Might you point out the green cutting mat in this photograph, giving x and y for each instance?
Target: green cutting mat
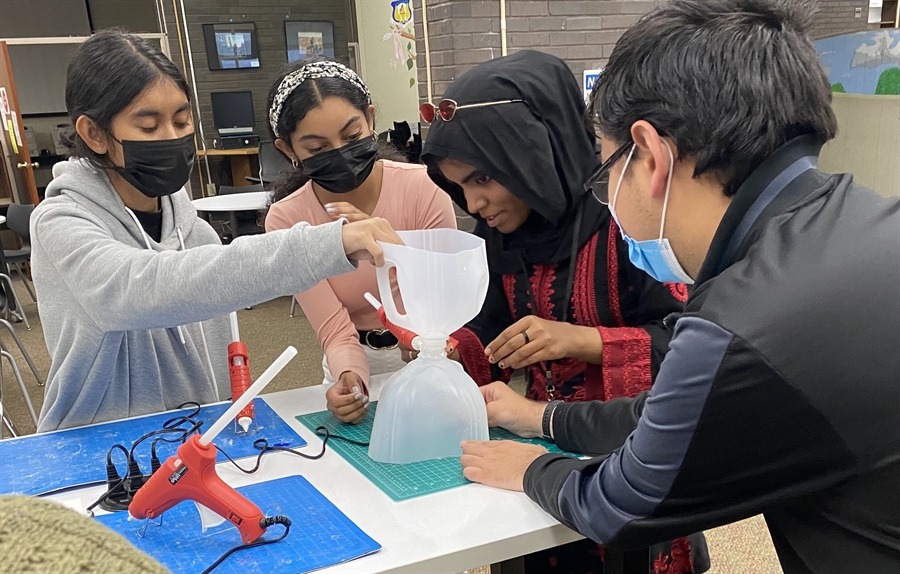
(400, 481)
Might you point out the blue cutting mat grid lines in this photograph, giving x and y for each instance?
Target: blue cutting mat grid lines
(400, 481)
(42, 463)
(321, 535)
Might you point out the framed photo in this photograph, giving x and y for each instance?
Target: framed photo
(231, 46)
(306, 39)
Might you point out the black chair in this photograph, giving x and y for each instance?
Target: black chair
(271, 164)
(241, 222)
(18, 219)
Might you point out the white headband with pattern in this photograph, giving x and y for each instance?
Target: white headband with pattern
(325, 69)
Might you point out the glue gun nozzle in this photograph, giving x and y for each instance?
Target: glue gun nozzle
(245, 423)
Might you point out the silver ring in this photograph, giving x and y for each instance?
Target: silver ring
(527, 338)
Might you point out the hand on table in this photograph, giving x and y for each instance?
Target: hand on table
(346, 398)
(499, 463)
(545, 341)
(346, 210)
(360, 239)
(508, 409)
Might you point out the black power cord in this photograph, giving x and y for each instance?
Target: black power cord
(264, 523)
(263, 446)
(119, 495)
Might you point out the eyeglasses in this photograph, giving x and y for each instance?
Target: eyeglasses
(598, 184)
(446, 109)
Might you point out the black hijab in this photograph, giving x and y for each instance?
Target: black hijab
(543, 151)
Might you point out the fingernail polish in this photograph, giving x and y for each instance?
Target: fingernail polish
(355, 389)
(367, 405)
(365, 399)
(357, 396)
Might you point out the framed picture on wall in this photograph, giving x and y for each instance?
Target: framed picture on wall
(306, 39)
(231, 46)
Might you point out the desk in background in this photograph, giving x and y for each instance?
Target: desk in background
(238, 158)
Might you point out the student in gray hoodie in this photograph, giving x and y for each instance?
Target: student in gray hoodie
(134, 288)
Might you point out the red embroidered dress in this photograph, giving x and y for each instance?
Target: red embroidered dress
(622, 302)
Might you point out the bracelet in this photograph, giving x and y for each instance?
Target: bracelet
(545, 421)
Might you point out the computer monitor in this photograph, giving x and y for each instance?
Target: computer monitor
(231, 46)
(233, 112)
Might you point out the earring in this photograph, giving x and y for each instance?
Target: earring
(295, 163)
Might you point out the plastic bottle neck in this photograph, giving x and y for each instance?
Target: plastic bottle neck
(433, 348)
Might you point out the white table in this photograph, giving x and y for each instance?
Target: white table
(249, 201)
(448, 531)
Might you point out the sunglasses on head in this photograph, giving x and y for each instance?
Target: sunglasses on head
(598, 184)
(446, 109)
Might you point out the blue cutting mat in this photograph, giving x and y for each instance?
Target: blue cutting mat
(42, 463)
(401, 481)
(320, 536)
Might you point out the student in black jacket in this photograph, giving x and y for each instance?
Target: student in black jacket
(781, 390)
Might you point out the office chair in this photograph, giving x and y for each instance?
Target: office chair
(271, 165)
(18, 219)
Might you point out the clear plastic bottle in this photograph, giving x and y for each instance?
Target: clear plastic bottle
(426, 409)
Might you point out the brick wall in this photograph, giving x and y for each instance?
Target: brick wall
(269, 17)
(463, 33)
(835, 17)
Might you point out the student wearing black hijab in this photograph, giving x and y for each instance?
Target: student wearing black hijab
(511, 145)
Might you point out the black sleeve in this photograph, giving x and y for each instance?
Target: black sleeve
(494, 317)
(609, 424)
(708, 449)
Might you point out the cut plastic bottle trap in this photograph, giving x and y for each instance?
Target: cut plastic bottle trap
(428, 407)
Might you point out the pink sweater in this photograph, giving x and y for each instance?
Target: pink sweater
(336, 307)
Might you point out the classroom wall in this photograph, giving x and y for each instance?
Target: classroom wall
(835, 17)
(269, 17)
(868, 141)
(388, 59)
(463, 33)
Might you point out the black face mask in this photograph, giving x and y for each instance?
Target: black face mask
(158, 167)
(343, 169)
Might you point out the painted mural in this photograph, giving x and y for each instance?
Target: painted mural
(403, 34)
(863, 63)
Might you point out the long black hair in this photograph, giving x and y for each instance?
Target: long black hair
(306, 97)
(105, 75)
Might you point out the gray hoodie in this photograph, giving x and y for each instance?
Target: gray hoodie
(112, 309)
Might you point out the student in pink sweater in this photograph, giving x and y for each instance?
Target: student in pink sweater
(322, 118)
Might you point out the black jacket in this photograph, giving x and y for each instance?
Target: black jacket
(780, 393)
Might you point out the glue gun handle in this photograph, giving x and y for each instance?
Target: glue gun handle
(231, 505)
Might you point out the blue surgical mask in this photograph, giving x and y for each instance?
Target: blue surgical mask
(655, 256)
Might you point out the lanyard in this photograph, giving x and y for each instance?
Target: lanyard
(570, 283)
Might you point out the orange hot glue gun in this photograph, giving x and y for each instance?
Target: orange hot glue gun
(239, 373)
(191, 473)
(405, 336)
